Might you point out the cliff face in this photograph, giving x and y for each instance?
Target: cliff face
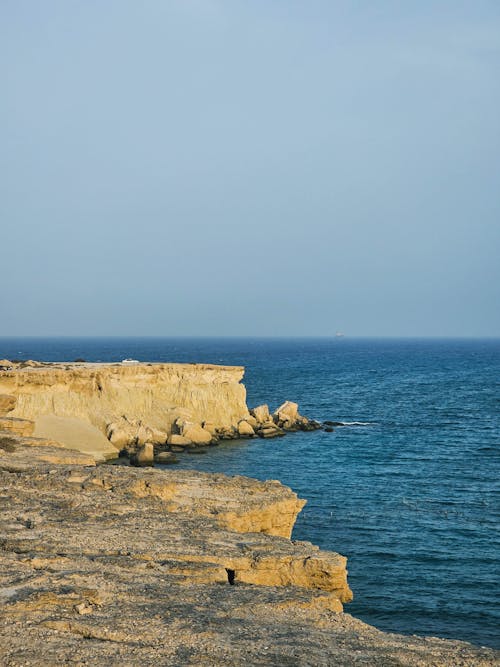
(67, 401)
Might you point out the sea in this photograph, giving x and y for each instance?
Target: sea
(407, 488)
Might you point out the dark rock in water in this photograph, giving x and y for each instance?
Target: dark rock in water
(311, 425)
(328, 429)
(198, 450)
(330, 423)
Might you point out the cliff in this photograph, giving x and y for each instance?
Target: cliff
(102, 407)
(121, 566)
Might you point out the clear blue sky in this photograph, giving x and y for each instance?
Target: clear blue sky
(220, 167)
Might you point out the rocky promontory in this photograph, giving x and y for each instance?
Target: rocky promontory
(139, 409)
(122, 566)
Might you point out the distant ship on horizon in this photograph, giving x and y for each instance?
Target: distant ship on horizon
(339, 334)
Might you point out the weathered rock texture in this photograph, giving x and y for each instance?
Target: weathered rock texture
(84, 405)
(119, 566)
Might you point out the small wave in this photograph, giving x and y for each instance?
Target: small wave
(355, 423)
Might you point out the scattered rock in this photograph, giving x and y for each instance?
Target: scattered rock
(227, 433)
(245, 430)
(178, 441)
(196, 434)
(261, 414)
(287, 412)
(83, 608)
(252, 421)
(270, 430)
(121, 434)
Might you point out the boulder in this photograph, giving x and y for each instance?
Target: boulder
(144, 456)
(125, 433)
(121, 434)
(143, 435)
(261, 413)
(178, 440)
(287, 412)
(196, 434)
(7, 403)
(158, 436)
(244, 429)
(252, 421)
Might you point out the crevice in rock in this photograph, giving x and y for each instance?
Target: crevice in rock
(230, 575)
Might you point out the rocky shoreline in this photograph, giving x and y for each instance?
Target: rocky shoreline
(145, 412)
(138, 566)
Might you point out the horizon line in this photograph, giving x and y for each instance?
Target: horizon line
(254, 337)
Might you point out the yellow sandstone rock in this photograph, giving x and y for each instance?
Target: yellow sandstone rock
(128, 403)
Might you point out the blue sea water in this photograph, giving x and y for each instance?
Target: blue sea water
(411, 497)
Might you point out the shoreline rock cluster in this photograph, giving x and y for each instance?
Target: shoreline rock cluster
(144, 446)
(145, 412)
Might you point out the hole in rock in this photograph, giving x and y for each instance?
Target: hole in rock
(230, 575)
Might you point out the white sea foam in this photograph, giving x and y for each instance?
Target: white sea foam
(357, 423)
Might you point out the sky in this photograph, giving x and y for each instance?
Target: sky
(250, 168)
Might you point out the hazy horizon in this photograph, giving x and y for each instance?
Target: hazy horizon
(248, 337)
(209, 168)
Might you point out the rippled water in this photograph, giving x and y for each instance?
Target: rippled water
(412, 498)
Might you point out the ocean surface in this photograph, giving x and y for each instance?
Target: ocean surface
(410, 493)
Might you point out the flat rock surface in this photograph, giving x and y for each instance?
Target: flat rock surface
(116, 566)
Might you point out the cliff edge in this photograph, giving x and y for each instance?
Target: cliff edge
(101, 408)
(121, 566)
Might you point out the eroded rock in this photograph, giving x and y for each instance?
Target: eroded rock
(130, 404)
(245, 429)
(261, 414)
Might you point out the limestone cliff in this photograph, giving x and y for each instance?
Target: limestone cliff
(86, 403)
